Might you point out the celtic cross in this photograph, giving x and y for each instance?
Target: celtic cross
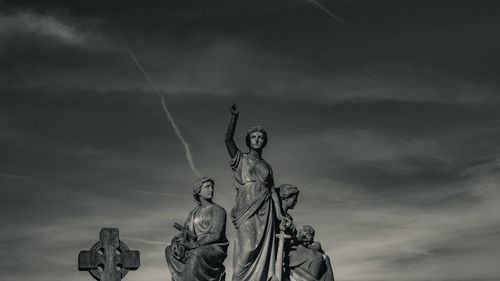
(109, 259)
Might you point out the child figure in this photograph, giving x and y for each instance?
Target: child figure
(307, 260)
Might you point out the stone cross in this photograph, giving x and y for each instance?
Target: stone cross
(109, 259)
(279, 256)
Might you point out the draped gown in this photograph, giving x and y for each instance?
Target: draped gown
(308, 265)
(204, 263)
(254, 219)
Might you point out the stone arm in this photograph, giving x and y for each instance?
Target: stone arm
(230, 144)
(217, 230)
(292, 229)
(277, 205)
(275, 197)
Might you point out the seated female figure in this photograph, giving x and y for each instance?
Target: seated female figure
(198, 252)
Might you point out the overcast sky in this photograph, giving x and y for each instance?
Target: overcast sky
(389, 125)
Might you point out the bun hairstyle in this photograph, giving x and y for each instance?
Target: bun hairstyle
(197, 186)
(288, 190)
(256, 129)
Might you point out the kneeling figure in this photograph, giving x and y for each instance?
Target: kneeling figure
(307, 261)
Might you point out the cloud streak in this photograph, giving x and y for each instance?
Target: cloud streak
(388, 125)
(189, 155)
(330, 13)
(39, 25)
(145, 241)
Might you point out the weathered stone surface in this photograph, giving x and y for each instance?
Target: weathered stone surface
(109, 259)
(256, 211)
(198, 251)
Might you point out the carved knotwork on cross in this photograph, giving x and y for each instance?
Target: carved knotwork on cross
(109, 259)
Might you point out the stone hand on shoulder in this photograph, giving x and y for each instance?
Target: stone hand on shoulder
(286, 223)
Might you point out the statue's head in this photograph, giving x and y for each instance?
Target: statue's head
(256, 138)
(288, 195)
(203, 187)
(306, 234)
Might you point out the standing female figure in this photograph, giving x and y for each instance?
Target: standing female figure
(256, 211)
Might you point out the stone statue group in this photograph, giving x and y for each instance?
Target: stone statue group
(268, 245)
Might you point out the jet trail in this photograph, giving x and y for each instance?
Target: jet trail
(189, 156)
(337, 18)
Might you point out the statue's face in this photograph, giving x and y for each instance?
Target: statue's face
(257, 140)
(207, 190)
(308, 237)
(292, 201)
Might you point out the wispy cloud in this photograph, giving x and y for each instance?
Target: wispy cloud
(39, 25)
(146, 241)
(388, 125)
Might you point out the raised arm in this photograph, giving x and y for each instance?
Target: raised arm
(230, 144)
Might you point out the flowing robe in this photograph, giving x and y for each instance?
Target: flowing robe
(309, 265)
(254, 219)
(205, 262)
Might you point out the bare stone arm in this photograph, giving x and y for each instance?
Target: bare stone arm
(230, 144)
(276, 200)
(277, 204)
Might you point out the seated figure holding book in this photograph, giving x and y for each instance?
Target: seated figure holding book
(198, 251)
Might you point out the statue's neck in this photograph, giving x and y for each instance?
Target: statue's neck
(255, 153)
(205, 202)
(284, 207)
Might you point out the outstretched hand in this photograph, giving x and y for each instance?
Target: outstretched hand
(233, 108)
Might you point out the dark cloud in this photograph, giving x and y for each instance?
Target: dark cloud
(388, 125)
(294, 50)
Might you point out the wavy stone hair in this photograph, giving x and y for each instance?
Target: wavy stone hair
(197, 187)
(288, 190)
(256, 129)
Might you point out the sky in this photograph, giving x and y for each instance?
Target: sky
(388, 124)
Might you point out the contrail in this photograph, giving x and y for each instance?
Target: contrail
(337, 18)
(189, 156)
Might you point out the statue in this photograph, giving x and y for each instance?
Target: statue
(256, 210)
(288, 196)
(307, 260)
(199, 250)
